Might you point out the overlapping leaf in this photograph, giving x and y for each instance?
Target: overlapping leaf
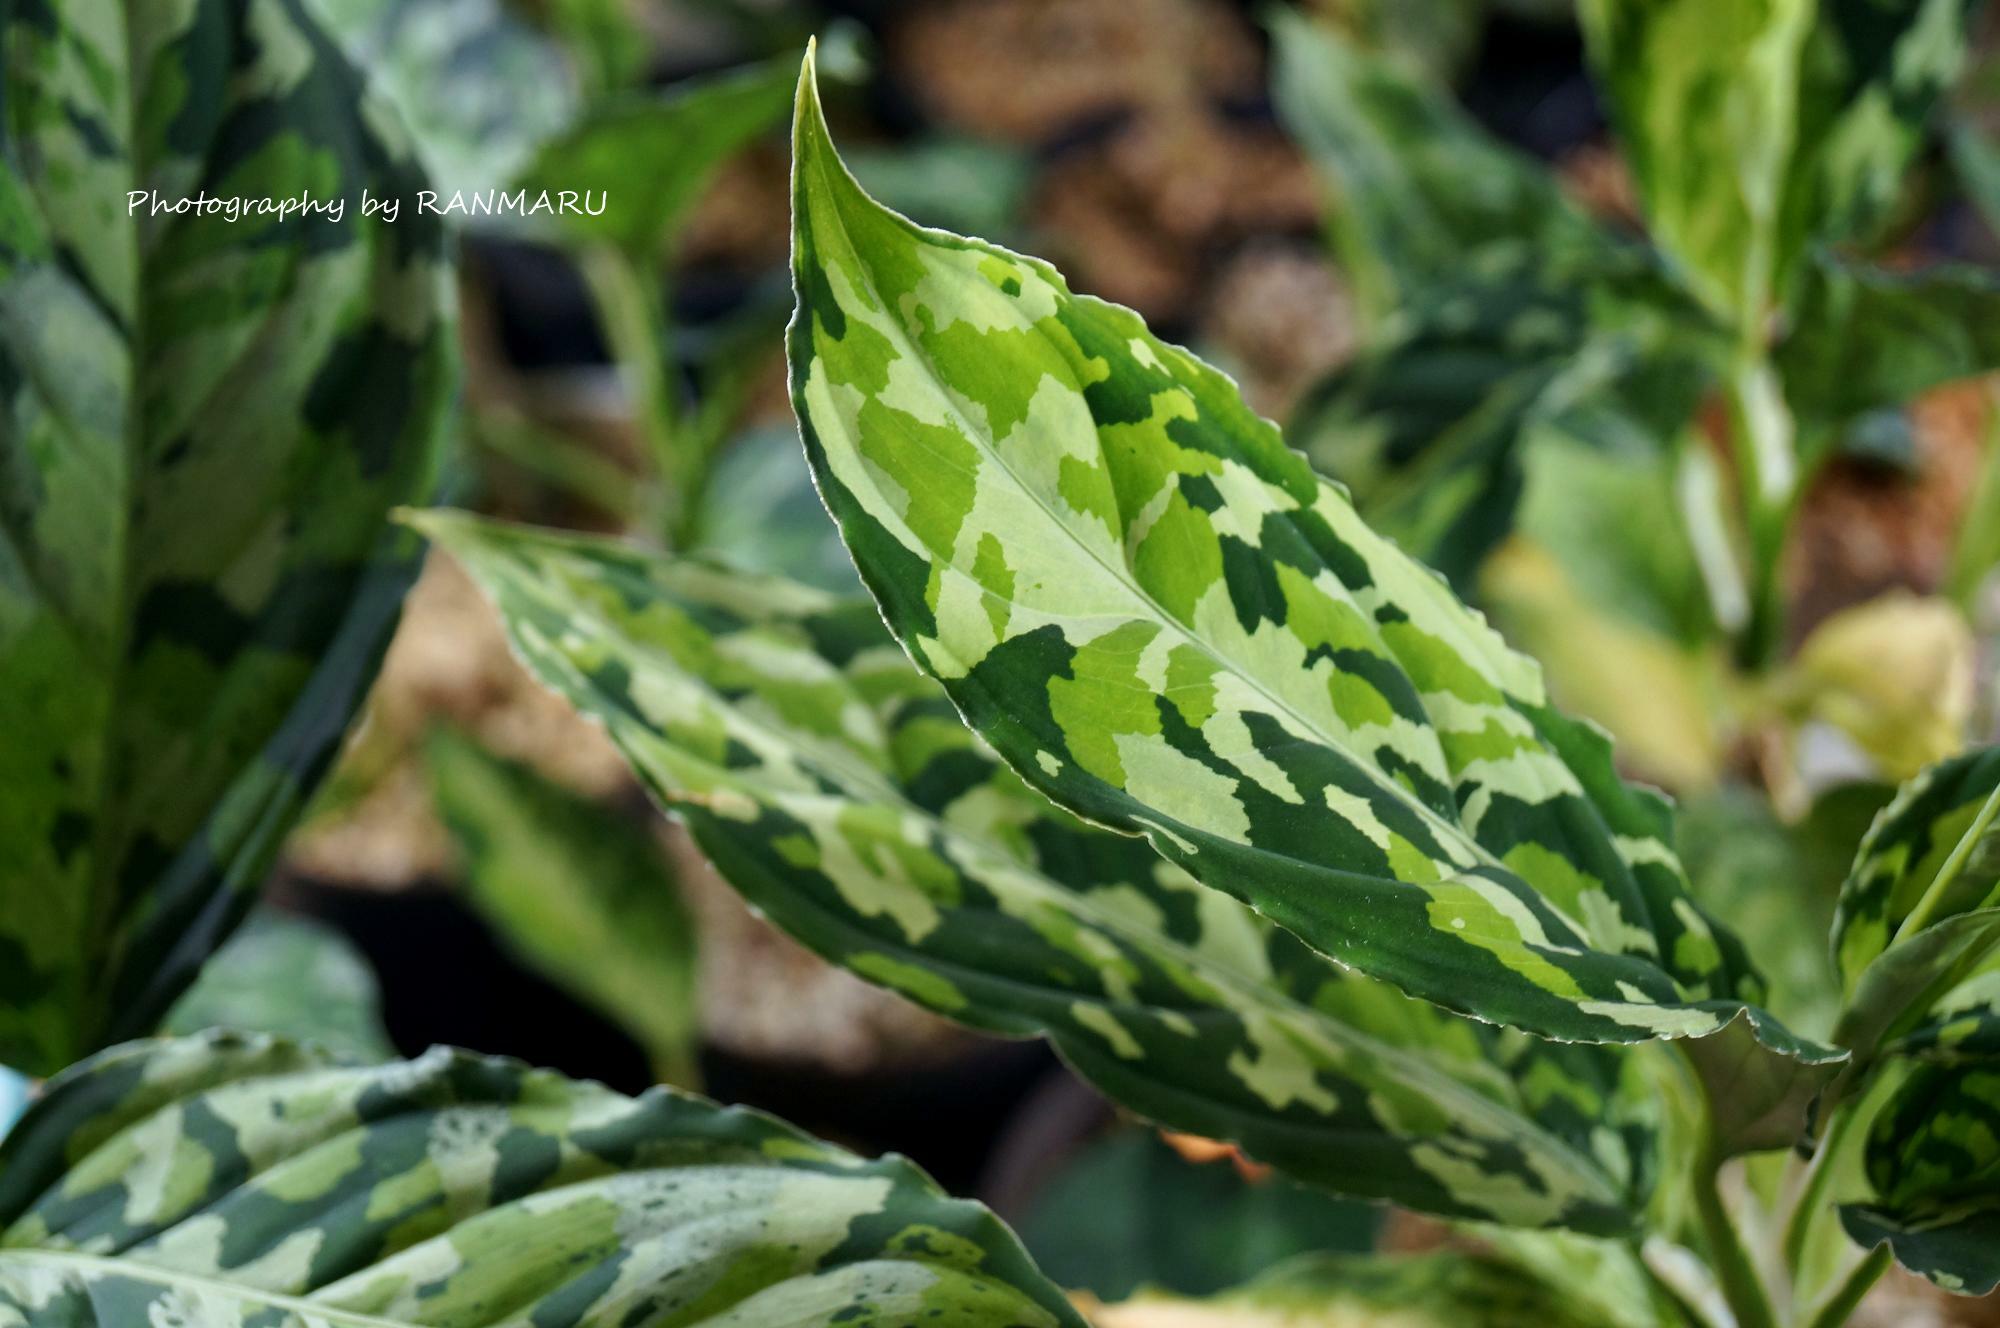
(207, 420)
(227, 1179)
(1504, 312)
(1164, 621)
(1917, 939)
(292, 977)
(835, 787)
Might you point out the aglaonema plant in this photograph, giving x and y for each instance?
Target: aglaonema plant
(208, 421)
(1149, 745)
(1526, 362)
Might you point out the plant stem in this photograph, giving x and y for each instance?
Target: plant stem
(1734, 1271)
(634, 313)
(1837, 1308)
(1767, 462)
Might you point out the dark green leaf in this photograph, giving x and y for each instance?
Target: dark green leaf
(207, 421)
(1129, 1212)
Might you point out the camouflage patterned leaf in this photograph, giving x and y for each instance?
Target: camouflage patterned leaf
(1164, 621)
(1756, 127)
(1933, 1160)
(834, 786)
(1931, 862)
(207, 421)
(232, 1180)
(1422, 197)
(580, 892)
(1506, 313)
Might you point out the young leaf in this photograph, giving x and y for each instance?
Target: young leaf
(583, 893)
(207, 421)
(835, 788)
(1167, 623)
(650, 156)
(225, 1179)
(1756, 128)
(1925, 885)
(292, 977)
(1933, 1161)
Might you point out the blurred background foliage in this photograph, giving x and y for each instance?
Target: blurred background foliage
(1405, 226)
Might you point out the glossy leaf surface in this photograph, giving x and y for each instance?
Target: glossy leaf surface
(836, 789)
(1165, 621)
(225, 1179)
(207, 422)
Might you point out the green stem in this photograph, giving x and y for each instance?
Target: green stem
(1734, 1271)
(1811, 1197)
(1767, 461)
(637, 322)
(1839, 1307)
(1934, 894)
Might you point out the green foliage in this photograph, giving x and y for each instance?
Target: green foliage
(1162, 619)
(1117, 1219)
(581, 893)
(478, 88)
(291, 977)
(836, 789)
(215, 1179)
(1442, 1289)
(207, 422)
(650, 156)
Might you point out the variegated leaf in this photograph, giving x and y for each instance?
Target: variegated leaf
(1756, 127)
(232, 1180)
(207, 420)
(1166, 622)
(1505, 313)
(835, 787)
(1932, 858)
(1932, 1159)
(293, 977)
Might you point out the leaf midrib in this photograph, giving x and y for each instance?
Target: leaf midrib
(1469, 1104)
(1122, 575)
(169, 1278)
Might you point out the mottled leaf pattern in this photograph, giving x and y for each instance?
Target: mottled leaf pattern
(1933, 1160)
(228, 1180)
(1755, 127)
(834, 786)
(1166, 622)
(1932, 855)
(580, 892)
(1504, 313)
(206, 422)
